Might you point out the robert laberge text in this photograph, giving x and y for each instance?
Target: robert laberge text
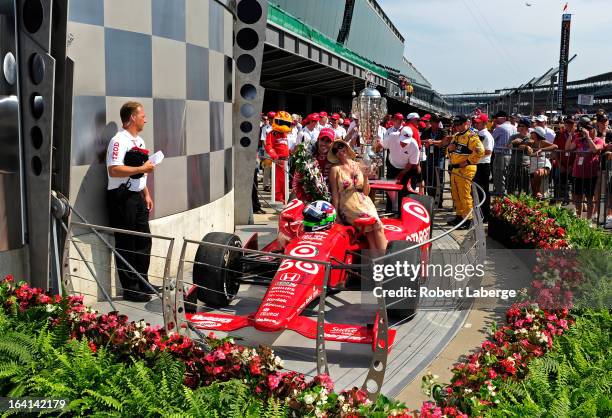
(425, 292)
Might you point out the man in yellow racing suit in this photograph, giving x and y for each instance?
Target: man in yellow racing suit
(464, 152)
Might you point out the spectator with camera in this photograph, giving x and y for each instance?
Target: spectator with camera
(586, 165)
(563, 161)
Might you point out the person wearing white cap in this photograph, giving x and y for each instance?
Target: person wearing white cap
(403, 163)
(412, 121)
(541, 121)
(539, 165)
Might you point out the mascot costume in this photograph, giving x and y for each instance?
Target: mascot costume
(278, 149)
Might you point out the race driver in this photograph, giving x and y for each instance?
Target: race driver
(278, 148)
(464, 151)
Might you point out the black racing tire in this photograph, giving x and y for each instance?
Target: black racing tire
(428, 202)
(406, 307)
(217, 270)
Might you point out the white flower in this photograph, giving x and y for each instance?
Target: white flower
(50, 308)
(278, 361)
(142, 324)
(345, 407)
(308, 399)
(522, 331)
(341, 398)
(467, 391)
(136, 334)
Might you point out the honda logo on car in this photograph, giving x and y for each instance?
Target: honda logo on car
(290, 277)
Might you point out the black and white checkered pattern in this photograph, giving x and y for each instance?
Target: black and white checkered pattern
(175, 57)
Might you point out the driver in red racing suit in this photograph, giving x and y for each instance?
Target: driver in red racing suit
(277, 147)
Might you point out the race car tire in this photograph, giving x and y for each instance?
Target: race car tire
(428, 202)
(405, 307)
(217, 269)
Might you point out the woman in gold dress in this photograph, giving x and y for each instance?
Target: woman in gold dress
(350, 189)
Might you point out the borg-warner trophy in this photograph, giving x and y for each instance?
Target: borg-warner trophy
(369, 107)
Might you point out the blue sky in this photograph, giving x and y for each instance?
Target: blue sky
(481, 45)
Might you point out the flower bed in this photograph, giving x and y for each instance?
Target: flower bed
(544, 226)
(505, 355)
(488, 376)
(526, 226)
(118, 340)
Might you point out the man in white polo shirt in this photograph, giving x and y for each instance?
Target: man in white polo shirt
(404, 158)
(129, 201)
(483, 168)
(542, 121)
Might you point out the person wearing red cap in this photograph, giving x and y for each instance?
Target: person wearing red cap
(309, 133)
(335, 125)
(321, 149)
(483, 168)
(394, 131)
(278, 149)
(323, 121)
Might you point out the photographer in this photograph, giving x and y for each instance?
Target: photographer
(129, 201)
(586, 165)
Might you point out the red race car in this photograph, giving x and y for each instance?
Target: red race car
(294, 269)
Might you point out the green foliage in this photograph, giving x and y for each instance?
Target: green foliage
(574, 379)
(97, 384)
(579, 231)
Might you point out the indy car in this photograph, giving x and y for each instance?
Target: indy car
(295, 283)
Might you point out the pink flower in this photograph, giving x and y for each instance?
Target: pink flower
(273, 381)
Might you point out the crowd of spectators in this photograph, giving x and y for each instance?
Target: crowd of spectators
(568, 162)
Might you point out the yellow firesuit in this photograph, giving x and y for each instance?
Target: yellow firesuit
(468, 148)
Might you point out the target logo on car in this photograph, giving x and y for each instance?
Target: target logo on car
(393, 228)
(417, 210)
(304, 250)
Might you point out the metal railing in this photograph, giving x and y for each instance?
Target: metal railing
(175, 305)
(95, 268)
(576, 178)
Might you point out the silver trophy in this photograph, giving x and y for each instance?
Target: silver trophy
(369, 107)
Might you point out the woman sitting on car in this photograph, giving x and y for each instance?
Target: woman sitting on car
(349, 190)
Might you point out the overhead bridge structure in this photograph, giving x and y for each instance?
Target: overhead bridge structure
(314, 61)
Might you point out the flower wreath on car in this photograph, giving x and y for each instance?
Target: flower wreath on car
(308, 183)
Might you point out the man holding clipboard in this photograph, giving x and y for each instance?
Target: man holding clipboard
(129, 201)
